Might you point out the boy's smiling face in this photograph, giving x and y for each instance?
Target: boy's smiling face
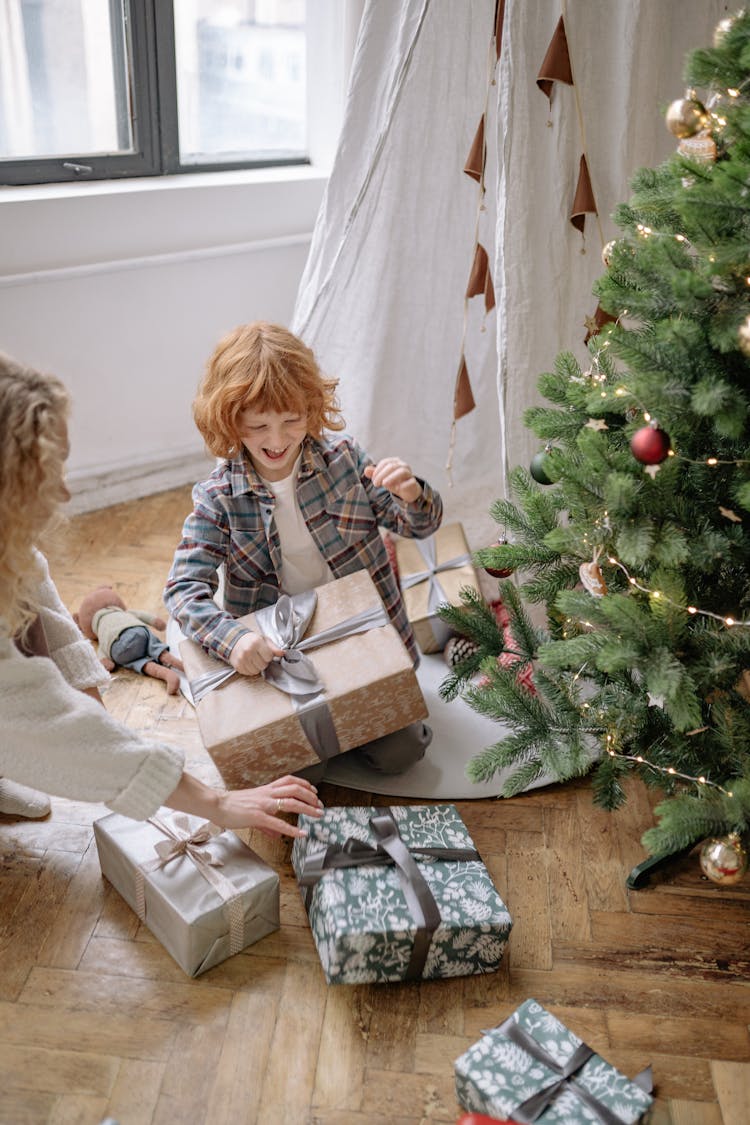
(272, 439)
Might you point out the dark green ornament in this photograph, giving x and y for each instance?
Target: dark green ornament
(540, 468)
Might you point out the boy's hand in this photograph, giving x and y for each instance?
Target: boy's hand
(395, 475)
(252, 653)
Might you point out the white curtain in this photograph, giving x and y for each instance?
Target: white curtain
(381, 300)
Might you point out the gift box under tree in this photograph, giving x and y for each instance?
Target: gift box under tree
(203, 893)
(346, 679)
(533, 1069)
(432, 572)
(398, 893)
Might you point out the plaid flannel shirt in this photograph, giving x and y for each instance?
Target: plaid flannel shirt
(232, 523)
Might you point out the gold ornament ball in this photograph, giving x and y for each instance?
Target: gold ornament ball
(607, 252)
(686, 117)
(721, 30)
(743, 337)
(724, 860)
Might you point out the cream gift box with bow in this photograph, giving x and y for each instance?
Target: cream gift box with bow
(346, 678)
(433, 571)
(203, 893)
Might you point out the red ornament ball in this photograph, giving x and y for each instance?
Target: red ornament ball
(502, 571)
(650, 445)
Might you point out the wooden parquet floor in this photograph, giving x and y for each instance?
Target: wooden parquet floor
(97, 1021)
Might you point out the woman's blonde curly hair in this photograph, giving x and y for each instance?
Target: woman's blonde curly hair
(33, 449)
(261, 367)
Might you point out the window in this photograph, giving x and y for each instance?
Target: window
(102, 89)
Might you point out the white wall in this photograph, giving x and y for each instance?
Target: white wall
(123, 290)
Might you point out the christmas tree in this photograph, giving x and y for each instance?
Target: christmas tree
(632, 526)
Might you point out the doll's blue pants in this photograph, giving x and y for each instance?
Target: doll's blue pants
(135, 646)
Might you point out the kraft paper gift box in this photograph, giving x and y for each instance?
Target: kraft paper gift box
(533, 1069)
(433, 571)
(398, 893)
(256, 731)
(203, 893)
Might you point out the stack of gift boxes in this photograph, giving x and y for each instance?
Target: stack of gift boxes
(394, 893)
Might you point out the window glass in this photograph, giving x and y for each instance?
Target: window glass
(63, 78)
(241, 79)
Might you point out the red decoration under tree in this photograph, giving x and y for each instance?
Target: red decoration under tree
(650, 445)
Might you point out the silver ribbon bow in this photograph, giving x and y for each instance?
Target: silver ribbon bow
(563, 1078)
(435, 594)
(284, 624)
(192, 845)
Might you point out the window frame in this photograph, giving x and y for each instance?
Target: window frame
(152, 74)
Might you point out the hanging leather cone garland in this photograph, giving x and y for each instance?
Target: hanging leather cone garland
(463, 397)
(583, 202)
(480, 279)
(594, 324)
(556, 65)
(474, 165)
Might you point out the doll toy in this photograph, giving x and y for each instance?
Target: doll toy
(124, 637)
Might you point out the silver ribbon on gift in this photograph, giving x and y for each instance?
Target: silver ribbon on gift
(435, 594)
(530, 1110)
(284, 624)
(390, 849)
(192, 844)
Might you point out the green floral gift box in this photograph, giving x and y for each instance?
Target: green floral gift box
(398, 893)
(533, 1069)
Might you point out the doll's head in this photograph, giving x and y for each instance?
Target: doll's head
(101, 598)
(262, 367)
(33, 449)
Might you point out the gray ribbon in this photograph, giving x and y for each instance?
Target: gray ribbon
(435, 594)
(284, 624)
(390, 849)
(530, 1110)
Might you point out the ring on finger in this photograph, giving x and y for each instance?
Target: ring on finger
(279, 804)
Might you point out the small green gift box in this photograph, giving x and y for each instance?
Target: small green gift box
(533, 1069)
(398, 893)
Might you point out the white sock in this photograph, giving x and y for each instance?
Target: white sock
(19, 800)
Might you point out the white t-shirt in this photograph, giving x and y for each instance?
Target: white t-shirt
(303, 566)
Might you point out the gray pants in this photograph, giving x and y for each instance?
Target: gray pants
(393, 753)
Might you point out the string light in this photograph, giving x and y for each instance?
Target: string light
(659, 595)
(670, 770)
(711, 461)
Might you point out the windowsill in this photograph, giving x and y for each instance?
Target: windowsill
(246, 177)
(62, 226)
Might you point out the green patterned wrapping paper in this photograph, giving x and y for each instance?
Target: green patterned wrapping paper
(496, 1076)
(361, 922)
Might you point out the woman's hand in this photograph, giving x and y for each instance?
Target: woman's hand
(395, 475)
(252, 653)
(262, 808)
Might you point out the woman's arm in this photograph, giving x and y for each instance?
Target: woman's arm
(57, 739)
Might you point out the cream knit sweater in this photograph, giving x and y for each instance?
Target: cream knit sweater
(55, 738)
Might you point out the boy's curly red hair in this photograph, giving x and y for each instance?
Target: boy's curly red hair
(261, 367)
